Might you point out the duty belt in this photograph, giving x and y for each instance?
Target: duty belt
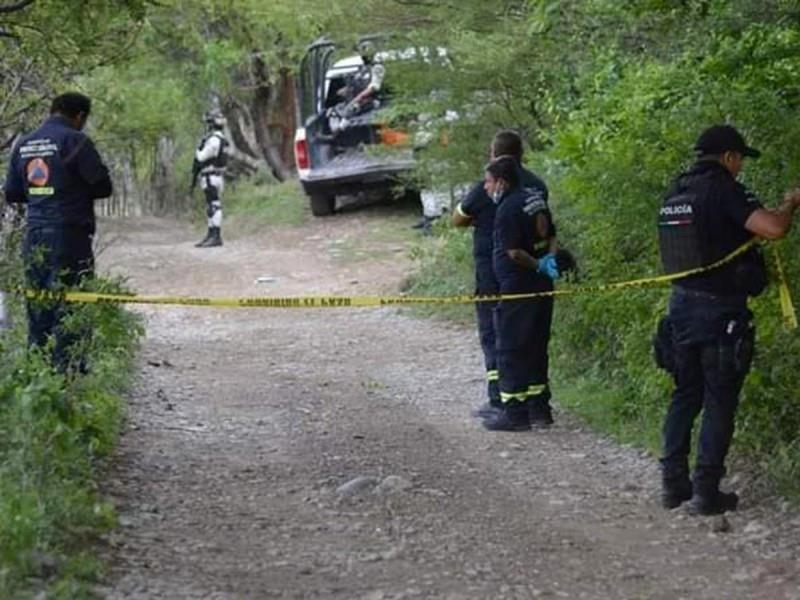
(703, 295)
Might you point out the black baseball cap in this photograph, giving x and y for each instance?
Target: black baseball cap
(723, 138)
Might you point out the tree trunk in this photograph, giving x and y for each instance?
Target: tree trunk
(245, 153)
(261, 107)
(162, 180)
(287, 118)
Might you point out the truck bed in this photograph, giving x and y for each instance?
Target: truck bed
(356, 163)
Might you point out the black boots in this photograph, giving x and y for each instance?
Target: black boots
(511, 417)
(425, 224)
(487, 409)
(704, 497)
(675, 491)
(515, 416)
(540, 414)
(712, 502)
(213, 238)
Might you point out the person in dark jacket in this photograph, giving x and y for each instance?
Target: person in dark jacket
(706, 215)
(523, 262)
(477, 210)
(57, 174)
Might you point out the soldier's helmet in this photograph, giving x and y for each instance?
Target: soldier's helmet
(214, 118)
(366, 50)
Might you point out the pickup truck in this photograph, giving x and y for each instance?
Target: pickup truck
(337, 153)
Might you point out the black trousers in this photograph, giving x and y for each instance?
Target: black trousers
(56, 257)
(523, 336)
(713, 348)
(486, 285)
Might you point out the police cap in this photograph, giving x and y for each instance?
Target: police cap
(723, 138)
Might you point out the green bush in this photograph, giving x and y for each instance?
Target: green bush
(623, 120)
(54, 429)
(444, 268)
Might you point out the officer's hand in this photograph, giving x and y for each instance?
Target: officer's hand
(548, 266)
(792, 196)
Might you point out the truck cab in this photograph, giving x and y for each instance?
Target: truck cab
(338, 150)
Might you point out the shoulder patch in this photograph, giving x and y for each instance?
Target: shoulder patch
(534, 201)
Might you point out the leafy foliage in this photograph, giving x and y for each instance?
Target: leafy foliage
(610, 97)
(54, 428)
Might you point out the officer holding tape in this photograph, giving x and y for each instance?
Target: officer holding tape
(707, 339)
(524, 262)
(57, 173)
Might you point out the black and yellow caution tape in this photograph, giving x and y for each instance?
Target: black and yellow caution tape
(377, 301)
(785, 296)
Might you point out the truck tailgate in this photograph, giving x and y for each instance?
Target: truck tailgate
(356, 163)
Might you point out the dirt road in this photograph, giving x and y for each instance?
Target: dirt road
(330, 454)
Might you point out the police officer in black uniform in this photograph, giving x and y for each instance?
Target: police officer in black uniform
(477, 209)
(523, 263)
(57, 173)
(707, 339)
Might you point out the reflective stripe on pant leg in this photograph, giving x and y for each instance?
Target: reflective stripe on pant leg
(509, 397)
(513, 361)
(538, 389)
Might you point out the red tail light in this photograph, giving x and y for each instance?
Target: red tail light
(301, 154)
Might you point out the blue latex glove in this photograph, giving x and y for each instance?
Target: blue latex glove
(547, 266)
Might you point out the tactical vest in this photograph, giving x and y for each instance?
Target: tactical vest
(220, 161)
(360, 80)
(684, 244)
(681, 238)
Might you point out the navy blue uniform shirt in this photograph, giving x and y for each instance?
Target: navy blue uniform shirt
(478, 205)
(727, 204)
(515, 229)
(57, 171)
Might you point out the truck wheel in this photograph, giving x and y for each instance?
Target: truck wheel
(322, 205)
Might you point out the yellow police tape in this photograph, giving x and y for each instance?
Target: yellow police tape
(787, 306)
(376, 301)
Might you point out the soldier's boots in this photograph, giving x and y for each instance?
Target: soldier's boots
(512, 417)
(213, 238)
(675, 491)
(201, 243)
(712, 502)
(425, 224)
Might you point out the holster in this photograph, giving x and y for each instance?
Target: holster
(736, 347)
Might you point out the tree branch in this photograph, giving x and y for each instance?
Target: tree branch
(9, 8)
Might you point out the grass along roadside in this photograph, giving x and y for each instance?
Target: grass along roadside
(250, 205)
(55, 431)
